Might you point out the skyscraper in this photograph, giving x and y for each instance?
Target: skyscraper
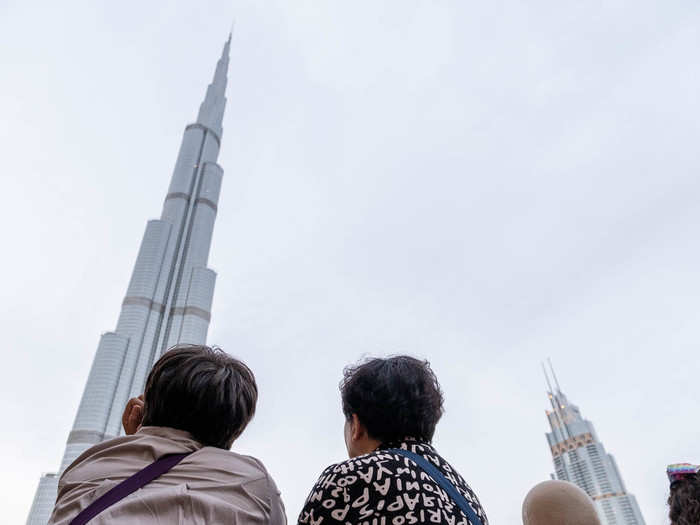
(169, 297)
(579, 457)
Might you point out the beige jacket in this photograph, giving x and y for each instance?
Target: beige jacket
(211, 485)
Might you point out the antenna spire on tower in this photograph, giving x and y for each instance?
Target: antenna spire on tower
(554, 375)
(211, 111)
(546, 378)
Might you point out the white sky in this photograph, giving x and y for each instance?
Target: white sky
(484, 184)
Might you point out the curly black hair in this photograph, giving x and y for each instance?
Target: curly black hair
(395, 398)
(684, 501)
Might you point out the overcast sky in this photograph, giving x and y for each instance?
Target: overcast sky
(483, 184)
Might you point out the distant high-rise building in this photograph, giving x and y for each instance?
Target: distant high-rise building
(169, 297)
(579, 457)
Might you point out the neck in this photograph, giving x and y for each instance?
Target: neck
(365, 446)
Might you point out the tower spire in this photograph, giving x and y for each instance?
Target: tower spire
(546, 378)
(211, 111)
(555, 401)
(554, 375)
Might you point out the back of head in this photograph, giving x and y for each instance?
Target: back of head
(558, 503)
(395, 398)
(684, 501)
(203, 391)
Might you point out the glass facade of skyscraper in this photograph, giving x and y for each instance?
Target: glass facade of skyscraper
(580, 457)
(170, 293)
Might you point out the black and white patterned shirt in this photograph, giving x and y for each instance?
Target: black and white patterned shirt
(384, 488)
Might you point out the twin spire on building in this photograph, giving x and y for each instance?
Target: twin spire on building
(556, 398)
(580, 457)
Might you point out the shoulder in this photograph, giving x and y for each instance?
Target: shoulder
(120, 457)
(377, 461)
(361, 469)
(88, 460)
(240, 464)
(242, 475)
(346, 490)
(232, 469)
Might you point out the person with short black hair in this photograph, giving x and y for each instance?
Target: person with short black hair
(394, 474)
(203, 391)
(197, 401)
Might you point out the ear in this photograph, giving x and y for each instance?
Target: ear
(357, 429)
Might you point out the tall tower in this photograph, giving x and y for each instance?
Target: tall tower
(169, 297)
(579, 457)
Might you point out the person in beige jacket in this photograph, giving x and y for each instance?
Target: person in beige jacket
(197, 400)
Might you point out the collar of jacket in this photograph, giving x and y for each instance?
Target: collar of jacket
(181, 437)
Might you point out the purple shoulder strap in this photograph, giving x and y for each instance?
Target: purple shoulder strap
(129, 485)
